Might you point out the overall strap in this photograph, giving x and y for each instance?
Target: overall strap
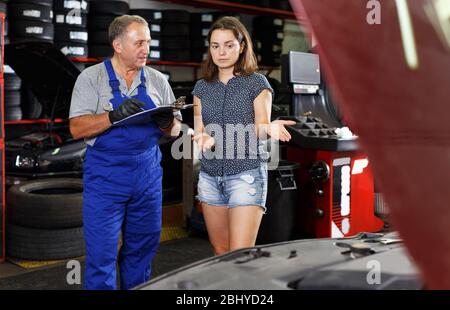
(113, 81)
(142, 89)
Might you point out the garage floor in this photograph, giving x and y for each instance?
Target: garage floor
(172, 254)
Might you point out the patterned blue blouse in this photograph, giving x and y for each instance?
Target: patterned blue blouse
(228, 115)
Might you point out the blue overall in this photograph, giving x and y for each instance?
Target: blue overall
(122, 192)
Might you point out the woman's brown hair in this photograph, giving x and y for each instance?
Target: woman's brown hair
(246, 63)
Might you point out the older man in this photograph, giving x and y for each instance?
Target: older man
(122, 172)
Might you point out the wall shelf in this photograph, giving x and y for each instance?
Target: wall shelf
(35, 121)
(162, 63)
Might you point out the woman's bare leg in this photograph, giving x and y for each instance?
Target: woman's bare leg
(244, 224)
(216, 220)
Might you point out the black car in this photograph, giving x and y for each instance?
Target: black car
(43, 154)
(372, 261)
(37, 150)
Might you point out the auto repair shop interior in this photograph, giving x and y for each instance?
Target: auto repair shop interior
(327, 217)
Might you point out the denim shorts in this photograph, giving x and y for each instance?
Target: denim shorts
(248, 188)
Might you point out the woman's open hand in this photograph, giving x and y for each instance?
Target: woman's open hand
(205, 142)
(277, 131)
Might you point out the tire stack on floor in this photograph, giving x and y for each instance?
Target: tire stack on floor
(30, 20)
(101, 14)
(12, 99)
(200, 25)
(153, 18)
(268, 38)
(71, 35)
(45, 220)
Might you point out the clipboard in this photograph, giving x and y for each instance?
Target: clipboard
(145, 116)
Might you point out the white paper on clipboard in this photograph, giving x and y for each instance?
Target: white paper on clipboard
(144, 117)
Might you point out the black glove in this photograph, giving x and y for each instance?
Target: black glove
(128, 107)
(163, 119)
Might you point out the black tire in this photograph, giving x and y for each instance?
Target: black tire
(176, 55)
(26, 31)
(281, 5)
(199, 32)
(176, 16)
(71, 34)
(156, 42)
(65, 6)
(46, 203)
(171, 29)
(176, 43)
(199, 54)
(13, 113)
(155, 55)
(70, 20)
(28, 11)
(42, 2)
(73, 49)
(100, 22)
(199, 44)
(201, 20)
(100, 51)
(12, 98)
(151, 16)
(3, 7)
(98, 37)
(12, 81)
(31, 107)
(268, 34)
(42, 244)
(267, 47)
(117, 8)
(6, 30)
(268, 22)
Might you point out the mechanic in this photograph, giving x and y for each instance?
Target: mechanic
(122, 172)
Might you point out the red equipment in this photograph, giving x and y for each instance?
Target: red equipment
(337, 195)
(335, 179)
(392, 80)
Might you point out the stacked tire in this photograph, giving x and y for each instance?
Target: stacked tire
(101, 14)
(268, 35)
(175, 33)
(171, 29)
(30, 20)
(200, 25)
(71, 35)
(12, 99)
(153, 18)
(45, 219)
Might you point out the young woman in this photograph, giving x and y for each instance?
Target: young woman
(232, 105)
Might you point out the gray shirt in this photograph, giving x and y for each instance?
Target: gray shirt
(91, 93)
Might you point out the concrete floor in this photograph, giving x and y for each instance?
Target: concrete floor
(171, 255)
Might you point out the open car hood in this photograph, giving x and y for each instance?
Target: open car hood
(343, 263)
(47, 72)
